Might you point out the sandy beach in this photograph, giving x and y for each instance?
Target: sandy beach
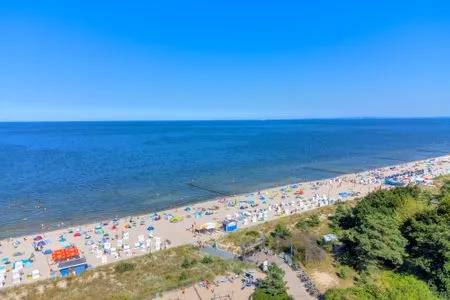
(29, 258)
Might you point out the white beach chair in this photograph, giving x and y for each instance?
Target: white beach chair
(35, 274)
(16, 278)
(18, 265)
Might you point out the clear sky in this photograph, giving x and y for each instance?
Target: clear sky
(153, 60)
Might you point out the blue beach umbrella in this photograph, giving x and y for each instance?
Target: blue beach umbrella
(47, 252)
(150, 228)
(41, 243)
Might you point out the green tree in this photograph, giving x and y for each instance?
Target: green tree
(375, 240)
(428, 235)
(343, 217)
(273, 286)
(185, 263)
(282, 231)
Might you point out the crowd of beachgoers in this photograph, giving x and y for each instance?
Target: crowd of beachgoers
(67, 251)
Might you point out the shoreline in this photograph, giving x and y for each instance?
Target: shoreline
(279, 201)
(180, 205)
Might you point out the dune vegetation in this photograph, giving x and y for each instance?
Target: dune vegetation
(141, 277)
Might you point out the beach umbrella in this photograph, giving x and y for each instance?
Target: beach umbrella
(41, 243)
(38, 238)
(77, 234)
(17, 254)
(150, 228)
(114, 227)
(187, 209)
(89, 242)
(62, 239)
(47, 252)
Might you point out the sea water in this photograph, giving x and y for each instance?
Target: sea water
(77, 172)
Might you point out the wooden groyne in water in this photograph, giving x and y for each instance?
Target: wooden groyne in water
(433, 151)
(203, 188)
(390, 158)
(324, 170)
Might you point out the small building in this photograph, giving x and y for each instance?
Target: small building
(330, 237)
(229, 225)
(72, 267)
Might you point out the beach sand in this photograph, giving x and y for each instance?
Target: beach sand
(278, 202)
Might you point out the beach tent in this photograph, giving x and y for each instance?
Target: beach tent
(175, 219)
(344, 194)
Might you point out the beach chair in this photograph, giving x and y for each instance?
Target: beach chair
(114, 253)
(16, 278)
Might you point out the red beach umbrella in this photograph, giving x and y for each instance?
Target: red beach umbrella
(77, 234)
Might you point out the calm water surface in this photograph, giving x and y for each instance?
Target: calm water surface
(85, 171)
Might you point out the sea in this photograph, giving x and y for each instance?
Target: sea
(78, 172)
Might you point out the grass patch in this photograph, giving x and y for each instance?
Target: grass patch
(122, 267)
(136, 278)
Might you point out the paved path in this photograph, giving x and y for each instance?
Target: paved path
(295, 287)
(217, 252)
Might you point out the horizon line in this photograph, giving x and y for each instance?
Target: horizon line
(231, 120)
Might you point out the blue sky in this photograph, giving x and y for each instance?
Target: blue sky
(159, 60)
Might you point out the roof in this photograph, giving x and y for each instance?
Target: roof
(63, 254)
(228, 221)
(72, 263)
(330, 237)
